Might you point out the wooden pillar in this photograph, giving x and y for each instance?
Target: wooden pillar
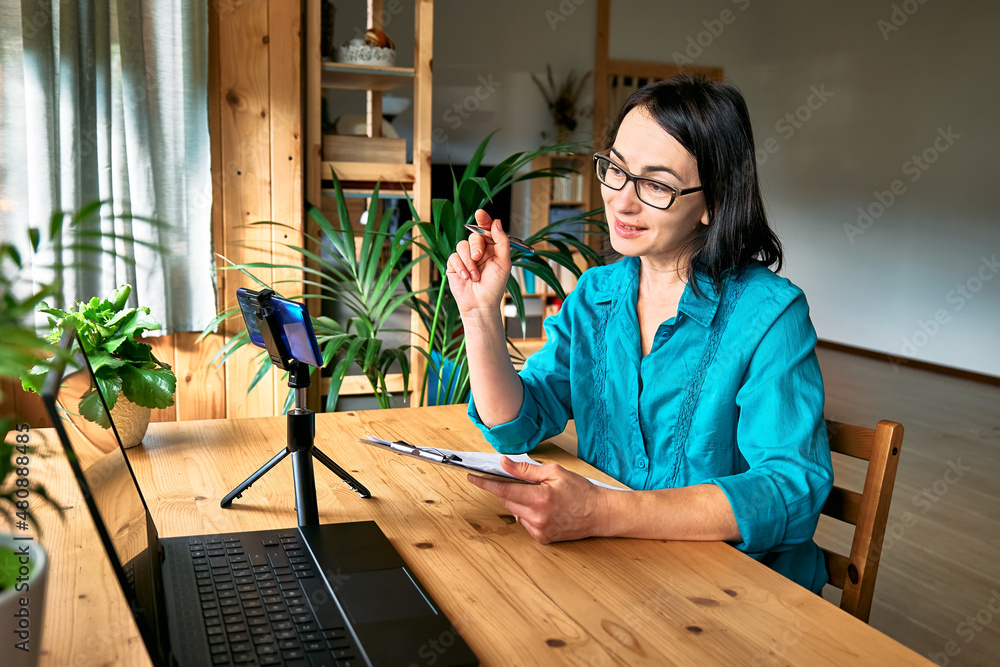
(422, 147)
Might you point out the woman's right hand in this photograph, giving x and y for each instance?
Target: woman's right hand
(478, 269)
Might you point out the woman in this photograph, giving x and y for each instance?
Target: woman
(689, 366)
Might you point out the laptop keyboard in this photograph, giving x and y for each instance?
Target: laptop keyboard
(255, 601)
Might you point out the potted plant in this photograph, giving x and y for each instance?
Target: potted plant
(343, 268)
(23, 561)
(131, 379)
(562, 99)
(22, 584)
(374, 281)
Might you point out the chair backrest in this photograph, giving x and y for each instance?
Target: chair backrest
(867, 511)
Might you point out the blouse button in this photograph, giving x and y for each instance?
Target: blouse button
(642, 463)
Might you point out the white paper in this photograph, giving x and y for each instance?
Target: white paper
(490, 462)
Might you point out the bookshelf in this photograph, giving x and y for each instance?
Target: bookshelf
(358, 177)
(540, 303)
(552, 199)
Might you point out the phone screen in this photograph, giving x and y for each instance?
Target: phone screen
(296, 327)
(297, 331)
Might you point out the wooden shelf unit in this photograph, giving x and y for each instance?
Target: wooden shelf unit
(550, 306)
(345, 76)
(561, 193)
(360, 177)
(402, 173)
(555, 194)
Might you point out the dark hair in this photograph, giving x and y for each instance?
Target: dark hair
(710, 119)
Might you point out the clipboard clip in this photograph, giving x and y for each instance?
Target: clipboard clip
(431, 453)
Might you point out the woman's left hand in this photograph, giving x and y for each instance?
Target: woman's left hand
(562, 506)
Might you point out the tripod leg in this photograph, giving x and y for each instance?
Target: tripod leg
(342, 474)
(238, 491)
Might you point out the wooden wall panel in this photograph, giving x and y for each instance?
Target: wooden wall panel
(26, 406)
(245, 136)
(255, 123)
(201, 387)
(285, 101)
(163, 349)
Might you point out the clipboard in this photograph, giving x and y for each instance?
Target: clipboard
(434, 455)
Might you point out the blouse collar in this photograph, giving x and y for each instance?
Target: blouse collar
(621, 281)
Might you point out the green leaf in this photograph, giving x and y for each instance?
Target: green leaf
(336, 380)
(265, 365)
(110, 383)
(92, 409)
(120, 296)
(145, 322)
(13, 254)
(125, 328)
(135, 351)
(148, 387)
(35, 378)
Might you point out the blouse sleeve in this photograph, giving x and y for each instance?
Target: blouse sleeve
(545, 378)
(782, 435)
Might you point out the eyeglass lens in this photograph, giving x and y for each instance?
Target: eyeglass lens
(651, 192)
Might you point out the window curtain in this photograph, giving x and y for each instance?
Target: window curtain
(107, 100)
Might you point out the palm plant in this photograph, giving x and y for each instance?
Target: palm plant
(362, 279)
(373, 280)
(445, 351)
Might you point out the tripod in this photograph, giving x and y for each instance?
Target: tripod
(301, 425)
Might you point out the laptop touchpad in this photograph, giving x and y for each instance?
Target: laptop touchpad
(382, 595)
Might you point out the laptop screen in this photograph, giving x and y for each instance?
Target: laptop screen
(106, 480)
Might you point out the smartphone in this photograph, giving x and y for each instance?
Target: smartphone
(297, 333)
(514, 241)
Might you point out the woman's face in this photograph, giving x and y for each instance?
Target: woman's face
(645, 149)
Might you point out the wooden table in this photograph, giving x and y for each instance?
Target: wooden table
(516, 602)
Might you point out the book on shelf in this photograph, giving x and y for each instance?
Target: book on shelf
(526, 280)
(568, 188)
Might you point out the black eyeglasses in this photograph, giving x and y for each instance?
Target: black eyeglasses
(652, 193)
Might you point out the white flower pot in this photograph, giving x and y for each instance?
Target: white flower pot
(23, 573)
(131, 420)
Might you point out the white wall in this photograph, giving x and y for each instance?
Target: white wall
(886, 97)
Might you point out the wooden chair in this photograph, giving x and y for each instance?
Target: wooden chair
(867, 511)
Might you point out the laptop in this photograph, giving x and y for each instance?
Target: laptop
(328, 595)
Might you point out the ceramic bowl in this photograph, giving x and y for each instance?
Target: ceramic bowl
(363, 54)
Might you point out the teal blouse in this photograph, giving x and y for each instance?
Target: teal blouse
(730, 394)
